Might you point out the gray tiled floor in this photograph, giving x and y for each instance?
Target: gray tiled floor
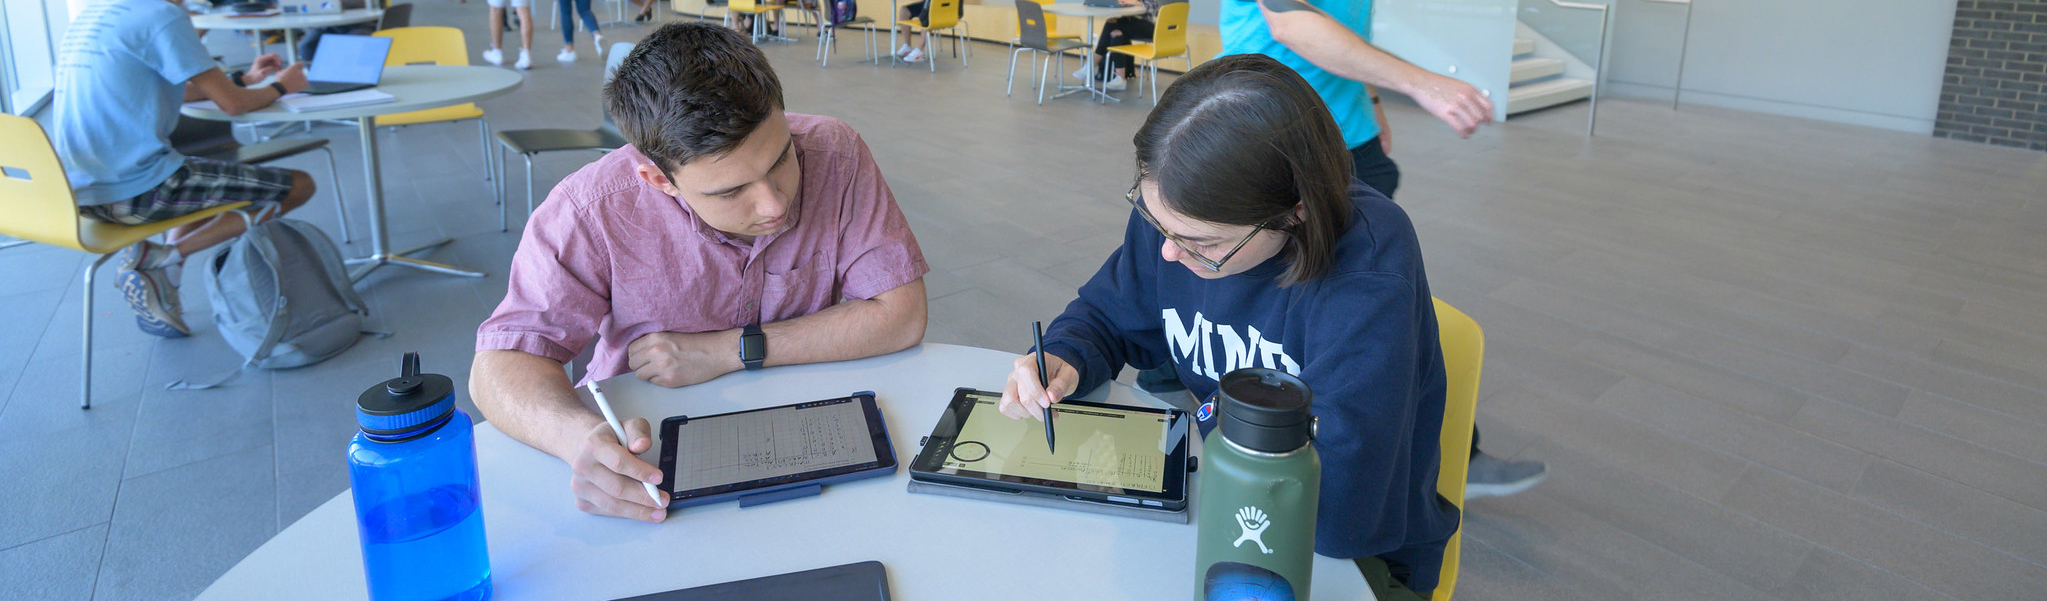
(1764, 357)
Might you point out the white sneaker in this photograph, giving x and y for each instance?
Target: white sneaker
(494, 56)
(525, 59)
(1080, 74)
(598, 41)
(1116, 85)
(903, 50)
(568, 55)
(915, 56)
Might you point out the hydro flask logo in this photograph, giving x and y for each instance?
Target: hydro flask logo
(1254, 524)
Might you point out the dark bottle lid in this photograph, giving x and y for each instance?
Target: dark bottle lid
(405, 406)
(1265, 410)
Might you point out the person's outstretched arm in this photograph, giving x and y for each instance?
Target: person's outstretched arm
(1316, 36)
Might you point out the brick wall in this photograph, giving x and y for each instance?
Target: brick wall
(1996, 85)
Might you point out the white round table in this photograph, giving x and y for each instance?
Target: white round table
(1077, 9)
(289, 23)
(933, 547)
(416, 87)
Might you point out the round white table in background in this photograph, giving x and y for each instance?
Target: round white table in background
(933, 547)
(416, 87)
(289, 23)
(1077, 9)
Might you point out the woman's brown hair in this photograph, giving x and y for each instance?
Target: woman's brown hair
(1243, 140)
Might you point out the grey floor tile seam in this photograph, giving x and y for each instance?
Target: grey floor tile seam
(65, 533)
(1853, 343)
(1773, 527)
(1567, 506)
(1813, 394)
(1936, 528)
(1469, 540)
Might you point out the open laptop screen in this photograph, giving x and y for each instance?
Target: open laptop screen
(350, 59)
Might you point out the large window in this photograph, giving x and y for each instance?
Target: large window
(27, 63)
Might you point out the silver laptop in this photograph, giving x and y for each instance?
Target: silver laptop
(347, 62)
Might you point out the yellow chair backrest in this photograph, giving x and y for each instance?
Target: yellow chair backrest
(1169, 38)
(1051, 20)
(742, 5)
(1463, 360)
(434, 45)
(35, 195)
(944, 13)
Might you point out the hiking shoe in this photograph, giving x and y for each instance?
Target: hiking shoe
(494, 56)
(146, 283)
(1494, 477)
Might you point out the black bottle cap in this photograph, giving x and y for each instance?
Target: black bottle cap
(1265, 410)
(405, 403)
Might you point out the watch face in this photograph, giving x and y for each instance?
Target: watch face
(753, 347)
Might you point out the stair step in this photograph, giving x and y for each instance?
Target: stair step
(1521, 99)
(1535, 68)
(1523, 46)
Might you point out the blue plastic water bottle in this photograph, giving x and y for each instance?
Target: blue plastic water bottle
(413, 467)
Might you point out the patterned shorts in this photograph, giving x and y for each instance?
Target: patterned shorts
(199, 185)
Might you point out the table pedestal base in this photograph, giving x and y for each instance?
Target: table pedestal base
(372, 262)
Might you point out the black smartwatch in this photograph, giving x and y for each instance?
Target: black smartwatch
(236, 77)
(280, 89)
(753, 347)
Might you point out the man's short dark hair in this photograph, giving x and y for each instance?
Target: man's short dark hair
(691, 90)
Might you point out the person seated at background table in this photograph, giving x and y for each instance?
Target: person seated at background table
(1113, 70)
(912, 49)
(724, 214)
(123, 69)
(1250, 245)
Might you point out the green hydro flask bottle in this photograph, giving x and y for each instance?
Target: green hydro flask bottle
(1260, 479)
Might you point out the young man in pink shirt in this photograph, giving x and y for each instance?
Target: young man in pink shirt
(726, 223)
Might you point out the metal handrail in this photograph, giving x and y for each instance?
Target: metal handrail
(1598, 62)
(1678, 89)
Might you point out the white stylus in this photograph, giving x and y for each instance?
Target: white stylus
(619, 430)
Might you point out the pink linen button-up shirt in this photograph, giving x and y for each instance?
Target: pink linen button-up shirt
(612, 258)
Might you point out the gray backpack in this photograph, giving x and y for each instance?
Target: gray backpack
(282, 297)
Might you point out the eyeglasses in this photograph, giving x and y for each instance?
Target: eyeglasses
(1136, 199)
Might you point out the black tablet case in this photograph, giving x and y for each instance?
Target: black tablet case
(1035, 499)
(864, 581)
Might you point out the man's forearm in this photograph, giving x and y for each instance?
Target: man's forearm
(1317, 37)
(530, 398)
(889, 322)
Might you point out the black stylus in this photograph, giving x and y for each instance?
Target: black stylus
(1044, 381)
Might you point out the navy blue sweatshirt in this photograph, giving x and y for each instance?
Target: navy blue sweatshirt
(1363, 337)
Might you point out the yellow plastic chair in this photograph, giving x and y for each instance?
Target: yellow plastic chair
(1169, 39)
(1463, 360)
(36, 204)
(436, 46)
(759, 9)
(944, 14)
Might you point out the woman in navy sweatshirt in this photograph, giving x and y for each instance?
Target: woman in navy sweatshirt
(1249, 245)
